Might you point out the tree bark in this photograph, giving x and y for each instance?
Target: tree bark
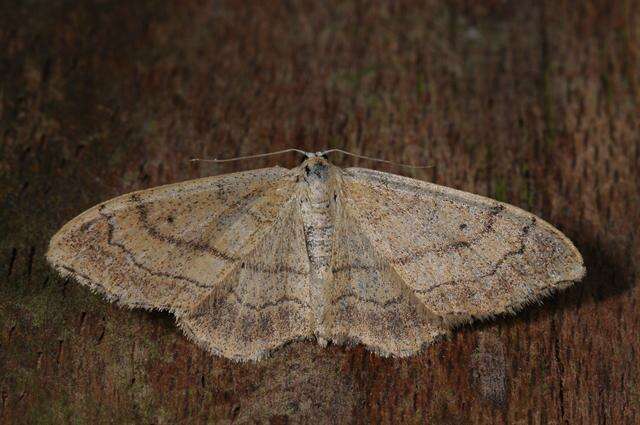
(531, 103)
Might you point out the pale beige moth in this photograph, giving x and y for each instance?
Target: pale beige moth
(252, 260)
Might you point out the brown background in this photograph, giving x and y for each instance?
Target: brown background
(533, 103)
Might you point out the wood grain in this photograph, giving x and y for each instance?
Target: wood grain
(531, 103)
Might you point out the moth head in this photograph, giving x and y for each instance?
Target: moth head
(316, 169)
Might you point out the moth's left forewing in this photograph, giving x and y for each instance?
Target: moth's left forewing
(465, 256)
(165, 247)
(225, 254)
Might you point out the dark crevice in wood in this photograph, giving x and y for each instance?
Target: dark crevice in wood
(12, 261)
(32, 253)
(556, 352)
(60, 349)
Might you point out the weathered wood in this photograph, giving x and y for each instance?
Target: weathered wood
(533, 103)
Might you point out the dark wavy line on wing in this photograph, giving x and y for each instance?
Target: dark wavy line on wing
(420, 253)
(143, 217)
(201, 246)
(386, 304)
(516, 252)
(487, 229)
(415, 256)
(132, 258)
(136, 263)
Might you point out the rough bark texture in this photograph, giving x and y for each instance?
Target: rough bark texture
(533, 103)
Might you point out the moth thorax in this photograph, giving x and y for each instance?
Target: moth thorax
(318, 212)
(320, 178)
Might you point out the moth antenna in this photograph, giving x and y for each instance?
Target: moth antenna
(260, 155)
(375, 159)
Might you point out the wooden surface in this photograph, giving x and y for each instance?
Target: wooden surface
(532, 103)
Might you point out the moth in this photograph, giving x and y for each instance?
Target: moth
(250, 261)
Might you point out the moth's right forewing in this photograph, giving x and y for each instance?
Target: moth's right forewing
(367, 300)
(465, 256)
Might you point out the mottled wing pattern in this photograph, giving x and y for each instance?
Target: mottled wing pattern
(178, 247)
(463, 256)
(367, 300)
